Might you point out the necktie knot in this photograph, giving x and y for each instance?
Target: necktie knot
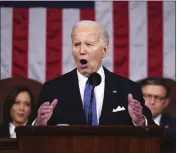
(88, 85)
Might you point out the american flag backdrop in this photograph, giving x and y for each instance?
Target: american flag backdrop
(36, 39)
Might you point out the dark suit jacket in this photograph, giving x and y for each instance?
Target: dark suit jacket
(169, 125)
(69, 109)
(4, 129)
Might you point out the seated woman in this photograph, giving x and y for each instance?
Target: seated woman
(18, 110)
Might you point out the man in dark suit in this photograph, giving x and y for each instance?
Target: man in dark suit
(156, 94)
(119, 101)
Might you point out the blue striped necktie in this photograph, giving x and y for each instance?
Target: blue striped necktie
(87, 96)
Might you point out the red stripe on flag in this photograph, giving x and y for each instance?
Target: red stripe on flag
(121, 38)
(155, 38)
(87, 14)
(20, 42)
(54, 43)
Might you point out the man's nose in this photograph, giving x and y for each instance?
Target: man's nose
(82, 50)
(152, 100)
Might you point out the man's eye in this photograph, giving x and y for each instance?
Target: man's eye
(77, 44)
(89, 44)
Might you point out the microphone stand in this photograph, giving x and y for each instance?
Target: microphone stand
(90, 107)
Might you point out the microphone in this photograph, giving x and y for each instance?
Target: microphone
(94, 79)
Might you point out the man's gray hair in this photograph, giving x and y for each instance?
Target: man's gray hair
(104, 32)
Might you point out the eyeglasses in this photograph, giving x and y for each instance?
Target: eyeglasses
(156, 97)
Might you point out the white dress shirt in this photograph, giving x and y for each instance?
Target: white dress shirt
(99, 90)
(157, 119)
(12, 130)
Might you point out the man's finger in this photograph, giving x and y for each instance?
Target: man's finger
(54, 103)
(45, 111)
(46, 103)
(136, 109)
(45, 116)
(137, 105)
(134, 102)
(46, 107)
(130, 97)
(138, 114)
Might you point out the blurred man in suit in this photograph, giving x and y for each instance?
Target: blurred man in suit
(156, 95)
(119, 101)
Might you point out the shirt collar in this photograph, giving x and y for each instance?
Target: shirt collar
(12, 127)
(82, 79)
(157, 119)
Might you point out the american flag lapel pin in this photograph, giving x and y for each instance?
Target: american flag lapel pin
(114, 91)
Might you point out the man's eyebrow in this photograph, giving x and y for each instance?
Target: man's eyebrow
(76, 41)
(90, 42)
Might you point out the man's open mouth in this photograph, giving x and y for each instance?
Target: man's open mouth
(83, 63)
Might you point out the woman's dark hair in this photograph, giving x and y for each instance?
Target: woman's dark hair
(10, 101)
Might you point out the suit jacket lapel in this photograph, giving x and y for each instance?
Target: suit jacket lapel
(109, 101)
(164, 121)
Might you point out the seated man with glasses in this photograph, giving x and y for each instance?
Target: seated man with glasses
(156, 96)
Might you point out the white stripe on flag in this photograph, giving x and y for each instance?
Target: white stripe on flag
(37, 44)
(138, 40)
(169, 39)
(6, 43)
(104, 16)
(70, 17)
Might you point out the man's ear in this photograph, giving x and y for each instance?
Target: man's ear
(105, 50)
(167, 101)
